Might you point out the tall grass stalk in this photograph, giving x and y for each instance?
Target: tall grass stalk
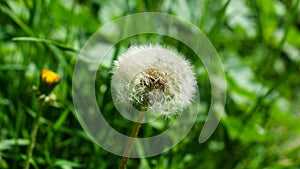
(34, 134)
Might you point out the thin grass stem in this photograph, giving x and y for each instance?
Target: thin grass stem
(33, 135)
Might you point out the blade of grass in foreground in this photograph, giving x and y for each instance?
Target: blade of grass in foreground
(46, 41)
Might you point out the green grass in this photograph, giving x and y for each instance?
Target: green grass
(258, 42)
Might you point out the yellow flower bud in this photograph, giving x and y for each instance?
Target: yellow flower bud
(48, 80)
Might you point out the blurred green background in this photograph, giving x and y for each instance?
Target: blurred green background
(258, 42)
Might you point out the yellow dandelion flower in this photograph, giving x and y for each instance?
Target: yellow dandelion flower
(48, 80)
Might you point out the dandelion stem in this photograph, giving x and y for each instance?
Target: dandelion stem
(130, 144)
(33, 135)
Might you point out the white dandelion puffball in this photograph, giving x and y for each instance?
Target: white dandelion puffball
(153, 78)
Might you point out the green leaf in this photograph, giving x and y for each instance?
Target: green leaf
(66, 164)
(9, 143)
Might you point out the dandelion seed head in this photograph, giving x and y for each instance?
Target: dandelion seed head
(154, 78)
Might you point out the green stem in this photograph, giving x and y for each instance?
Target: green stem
(33, 135)
(130, 144)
